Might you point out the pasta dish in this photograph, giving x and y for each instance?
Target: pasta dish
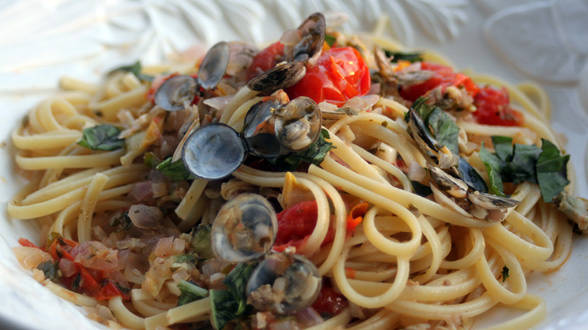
(324, 181)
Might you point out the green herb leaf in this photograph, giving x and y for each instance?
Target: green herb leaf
(330, 40)
(420, 189)
(503, 147)
(135, 69)
(185, 258)
(190, 292)
(522, 165)
(493, 166)
(236, 282)
(230, 304)
(551, 171)
(201, 242)
(150, 160)
(121, 222)
(505, 273)
(101, 137)
(313, 154)
(422, 108)
(222, 308)
(398, 56)
(49, 268)
(444, 128)
(175, 171)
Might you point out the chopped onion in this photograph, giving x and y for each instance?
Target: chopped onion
(30, 257)
(219, 102)
(67, 267)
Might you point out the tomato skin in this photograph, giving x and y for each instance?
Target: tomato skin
(493, 108)
(265, 59)
(339, 74)
(329, 302)
(442, 76)
(295, 224)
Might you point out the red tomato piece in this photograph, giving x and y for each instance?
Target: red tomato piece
(493, 108)
(108, 291)
(340, 74)
(442, 76)
(295, 224)
(329, 301)
(25, 242)
(265, 59)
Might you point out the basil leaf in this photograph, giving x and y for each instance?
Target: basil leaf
(150, 160)
(330, 40)
(444, 129)
(402, 56)
(493, 166)
(190, 292)
(236, 282)
(201, 242)
(134, 68)
(420, 189)
(503, 147)
(522, 165)
(175, 171)
(422, 108)
(470, 176)
(49, 268)
(222, 308)
(230, 304)
(551, 171)
(101, 137)
(314, 154)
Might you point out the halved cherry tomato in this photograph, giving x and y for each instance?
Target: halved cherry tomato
(493, 108)
(340, 74)
(265, 59)
(442, 76)
(295, 224)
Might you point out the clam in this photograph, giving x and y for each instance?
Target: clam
(272, 129)
(491, 202)
(213, 66)
(446, 182)
(282, 76)
(176, 93)
(244, 229)
(575, 208)
(283, 284)
(312, 38)
(213, 151)
(298, 123)
(259, 130)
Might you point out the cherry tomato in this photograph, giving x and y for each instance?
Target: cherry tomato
(493, 108)
(340, 74)
(329, 302)
(108, 291)
(25, 242)
(442, 76)
(355, 216)
(265, 59)
(295, 224)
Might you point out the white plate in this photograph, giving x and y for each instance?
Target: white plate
(516, 40)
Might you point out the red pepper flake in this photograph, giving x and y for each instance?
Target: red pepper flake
(25, 242)
(355, 216)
